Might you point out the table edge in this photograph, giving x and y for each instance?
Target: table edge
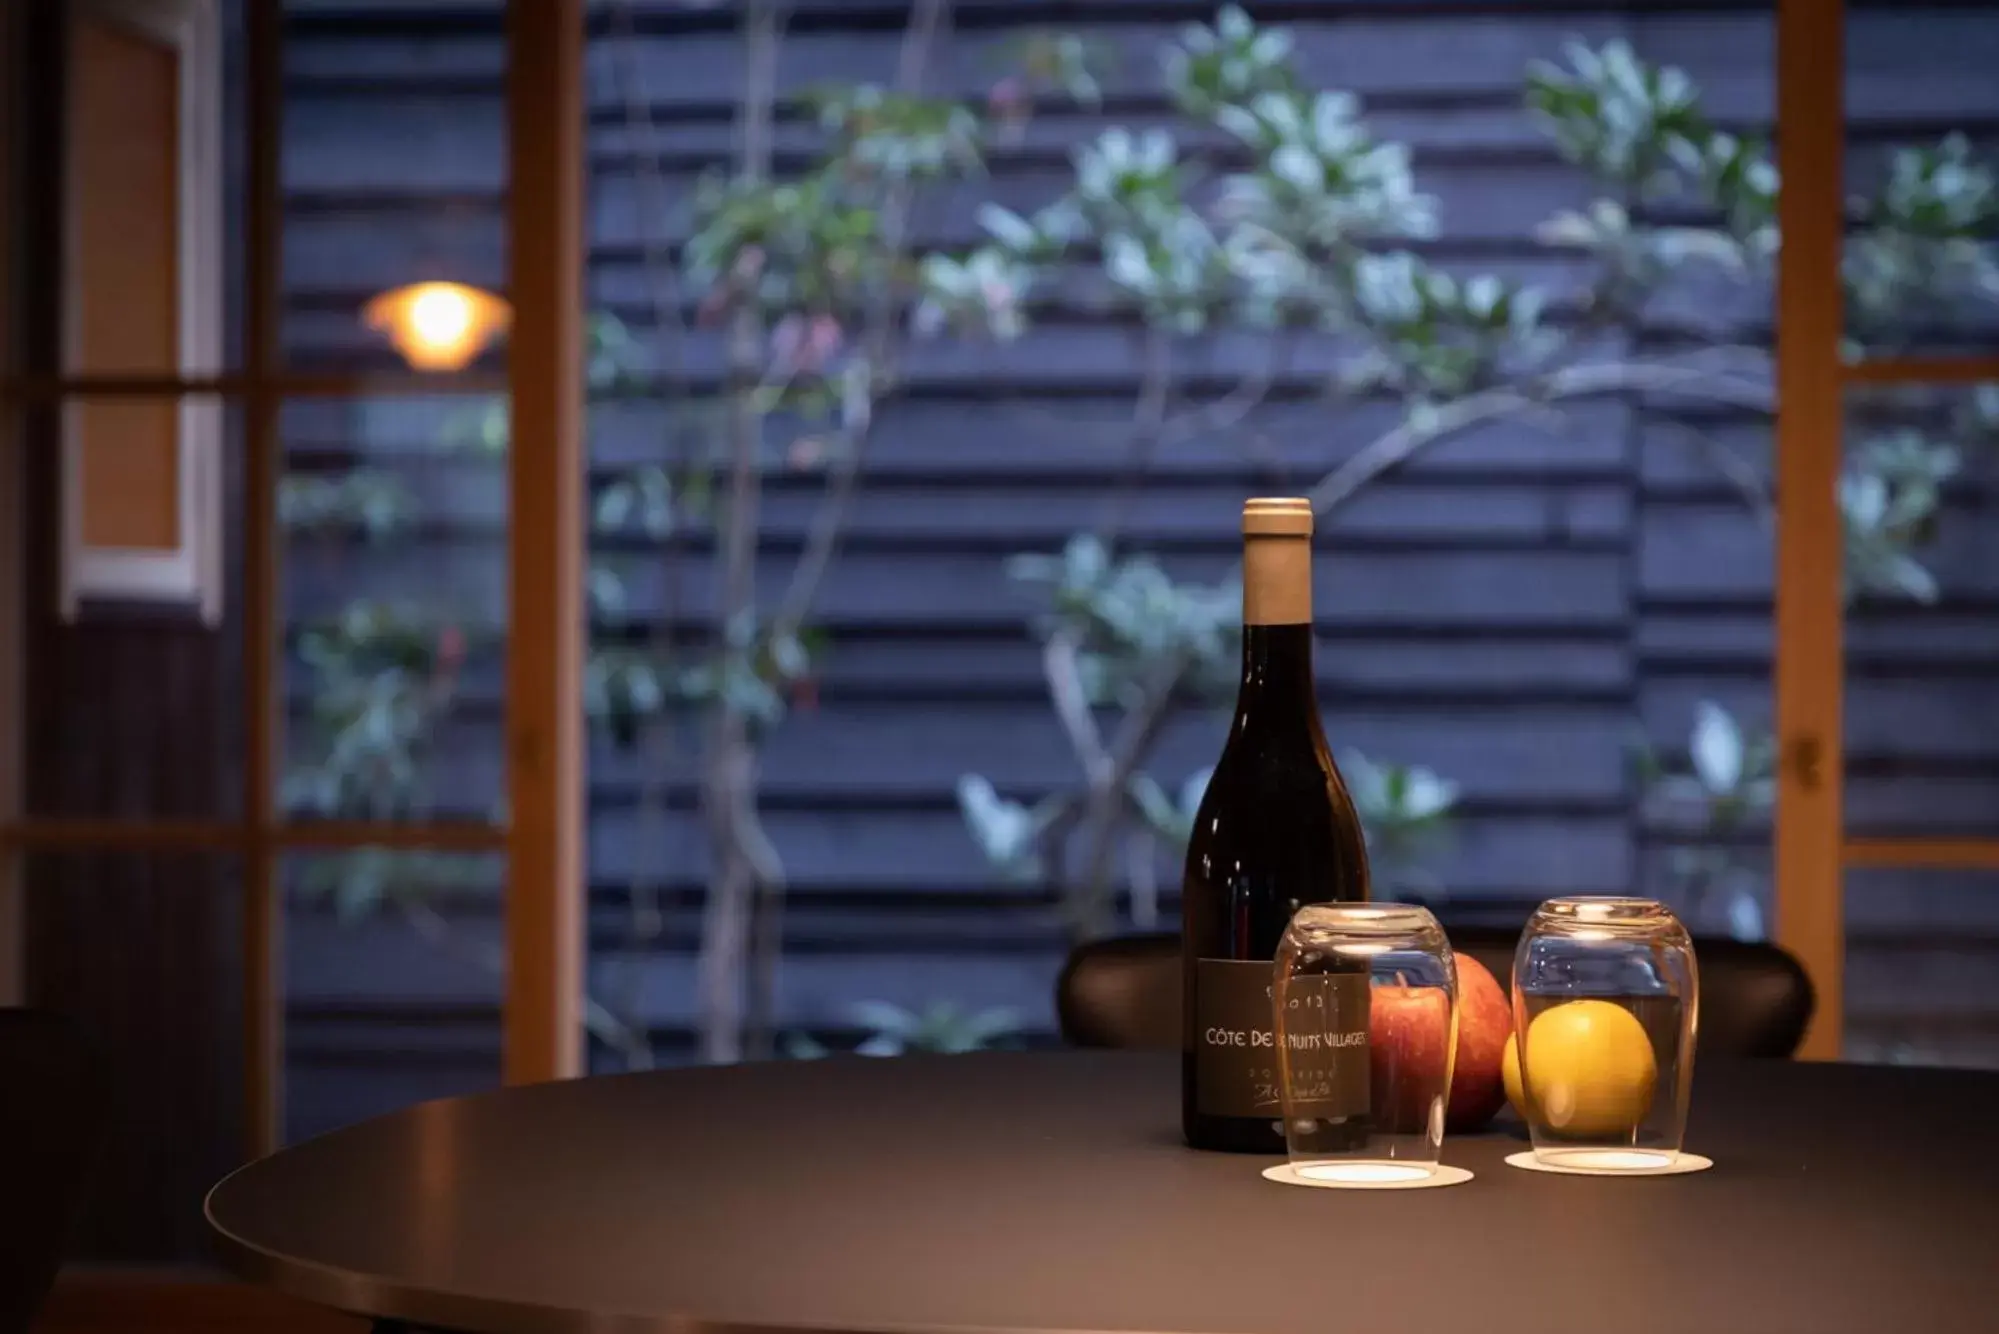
(373, 1297)
(384, 1297)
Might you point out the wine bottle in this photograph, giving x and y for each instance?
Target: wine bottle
(1276, 830)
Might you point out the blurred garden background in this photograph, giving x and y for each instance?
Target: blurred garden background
(933, 348)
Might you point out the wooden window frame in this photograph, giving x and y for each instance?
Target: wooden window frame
(1812, 848)
(542, 838)
(546, 106)
(1811, 142)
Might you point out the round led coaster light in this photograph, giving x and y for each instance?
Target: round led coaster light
(1365, 1175)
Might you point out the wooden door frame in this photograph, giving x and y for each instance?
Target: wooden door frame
(543, 836)
(1808, 666)
(545, 476)
(1812, 849)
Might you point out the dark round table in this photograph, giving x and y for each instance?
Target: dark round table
(1049, 1191)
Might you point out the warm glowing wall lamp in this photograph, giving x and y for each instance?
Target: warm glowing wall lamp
(438, 326)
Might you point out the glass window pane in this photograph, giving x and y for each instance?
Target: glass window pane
(132, 593)
(394, 521)
(151, 126)
(1922, 692)
(1505, 606)
(143, 951)
(394, 169)
(1922, 967)
(394, 969)
(1719, 293)
(1922, 256)
(1701, 778)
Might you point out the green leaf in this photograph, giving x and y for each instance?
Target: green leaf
(1157, 808)
(1745, 916)
(1298, 168)
(977, 1030)
(1008, 227)
(1426, 796)
(788, 656)
(360, 889)
(614, 506)
(643, 689)
(605, 590)
(1193, 790)
(1716, 748)
(804, 1047)
(1126, 263)
(1004, 830)
(883, 1018)
(1910, 576)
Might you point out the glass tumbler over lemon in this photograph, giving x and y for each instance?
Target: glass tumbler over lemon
(1606, 1002)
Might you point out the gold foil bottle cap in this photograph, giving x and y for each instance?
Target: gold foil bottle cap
(1277, 516)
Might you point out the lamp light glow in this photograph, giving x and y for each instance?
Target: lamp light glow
(438, 326)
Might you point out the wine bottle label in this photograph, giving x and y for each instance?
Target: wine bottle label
(1238, 1068)
(1324, 1056)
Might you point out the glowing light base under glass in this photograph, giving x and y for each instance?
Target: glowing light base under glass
(1365, 1175)
(1613, 1163)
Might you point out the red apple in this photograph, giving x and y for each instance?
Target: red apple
(1408, 1045)
(1485, 1021)
(1409, 1041)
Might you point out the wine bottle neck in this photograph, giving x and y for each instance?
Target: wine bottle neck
(1277, 696)
(1277, 579)
(1278, 689)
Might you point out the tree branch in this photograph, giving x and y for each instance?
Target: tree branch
(727, 763)
(1143, 876)
(1148, 428)
(1062, 667)
(646, 918)
(1739, 471)
(1228, 411)
(1136, 735)
(662, 280)
(1143, 722)
(1103, 808)
(628, 1039)
(857, 417)
(1417, 432)
(927, 21)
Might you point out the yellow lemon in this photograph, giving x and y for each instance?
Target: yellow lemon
(1590, 1069)
(1509, 1070)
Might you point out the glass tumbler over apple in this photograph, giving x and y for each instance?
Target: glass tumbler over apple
(1366, 1028)
(1606, 1002)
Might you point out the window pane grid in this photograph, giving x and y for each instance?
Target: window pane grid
(165, 835)
(262, 1019)
(294, 384)
(1922, 370)
(1967, 853)
(262, 836)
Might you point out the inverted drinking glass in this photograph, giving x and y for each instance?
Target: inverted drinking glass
(1366, 1011)
(1606, 1003)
